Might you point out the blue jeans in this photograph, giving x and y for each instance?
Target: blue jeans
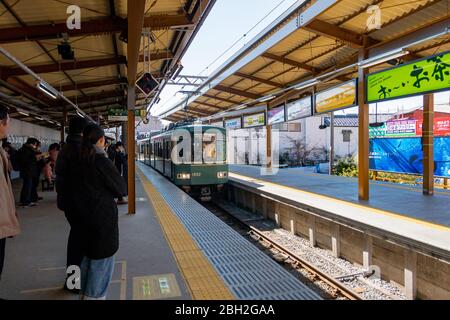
(95, 277)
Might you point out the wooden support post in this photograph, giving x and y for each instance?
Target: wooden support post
(363, 130)
(269, 147)
(410, 273)
(367, 252)
(428, 144)
(312, 230)
(336, 240)
(135, 11)
(331, 143)
(63, 125)
(131, 152)
(445, 183)
(375, 175)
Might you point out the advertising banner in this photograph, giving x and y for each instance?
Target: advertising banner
(401, 128)
(405, 155)
(441, 127)
(299, 109)
(427, 75)
(410, 128)
(339, 97)
(275, 115)
(233, 124)
(255, 120)
(217, 124)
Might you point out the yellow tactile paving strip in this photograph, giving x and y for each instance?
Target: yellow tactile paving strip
(203, 282)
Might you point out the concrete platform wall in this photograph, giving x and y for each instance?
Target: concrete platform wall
(421, 275)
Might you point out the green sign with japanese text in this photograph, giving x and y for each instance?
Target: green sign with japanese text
(122, 114)
(423, 76)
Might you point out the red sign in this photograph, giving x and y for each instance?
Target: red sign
(441, 127)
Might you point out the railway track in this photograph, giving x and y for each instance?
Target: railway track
(334, 289)
(329, 286)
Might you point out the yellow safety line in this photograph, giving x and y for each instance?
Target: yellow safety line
(203, 282)
(387, 213)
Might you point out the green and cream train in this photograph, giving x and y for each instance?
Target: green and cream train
(192, 156)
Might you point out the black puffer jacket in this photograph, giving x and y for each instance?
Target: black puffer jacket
(28, 164)
(67, 160)
(94, 192)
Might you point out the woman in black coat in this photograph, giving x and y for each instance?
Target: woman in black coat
(98, 184)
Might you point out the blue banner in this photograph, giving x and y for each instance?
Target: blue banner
(405, 155)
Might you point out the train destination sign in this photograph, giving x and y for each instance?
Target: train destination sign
(276, 115)
(255, 120)
(299, 109)
(235, 123)
(338, 97)
(423, 76)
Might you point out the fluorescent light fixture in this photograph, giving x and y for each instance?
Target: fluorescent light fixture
(434, 36)
(264, 99)
(240, 107)
(47, 89)
(382, 58)
(39, 118)
(24, 113)
(307, 84)
(80, 114)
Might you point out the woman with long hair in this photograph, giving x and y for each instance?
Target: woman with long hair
(99, 183)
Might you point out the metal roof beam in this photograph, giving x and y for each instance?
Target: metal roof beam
(98, 26)
(221, 99)
(89, 84)
(64, 66)
(209, 105)
(98, 96)
(260, 80)
(290, 62)
(237, 92)
(335, 32)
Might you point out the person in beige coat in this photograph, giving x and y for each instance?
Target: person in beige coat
(9, 225)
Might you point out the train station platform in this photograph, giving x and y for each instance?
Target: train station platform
(403, 200)
(173, 248)
(398, 213)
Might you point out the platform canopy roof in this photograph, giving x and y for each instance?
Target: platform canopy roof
(96, 79)
(314, 38)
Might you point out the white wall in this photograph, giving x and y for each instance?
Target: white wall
(241, 140)
(20, 131)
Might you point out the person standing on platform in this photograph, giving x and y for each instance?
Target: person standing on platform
(121, 163)
(40, 158)
(65, 179)
(28, 167)
(9, 225)
(98, 184)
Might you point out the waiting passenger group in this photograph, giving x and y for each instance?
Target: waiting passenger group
(88, 178)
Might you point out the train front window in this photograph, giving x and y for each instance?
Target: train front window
(213, 148)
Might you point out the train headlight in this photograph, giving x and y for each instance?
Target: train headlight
(222, 174)
(183, 176)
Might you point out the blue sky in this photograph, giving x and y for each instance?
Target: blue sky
(228, 21)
